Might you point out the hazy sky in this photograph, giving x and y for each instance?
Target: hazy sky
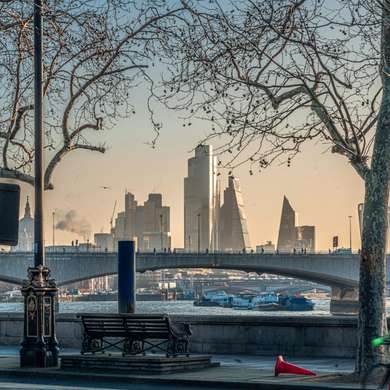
(321, 186)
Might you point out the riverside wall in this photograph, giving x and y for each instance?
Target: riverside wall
(321, 336)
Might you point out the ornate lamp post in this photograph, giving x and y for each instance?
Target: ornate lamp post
(39, 345)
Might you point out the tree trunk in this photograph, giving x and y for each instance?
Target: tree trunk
(372, 284)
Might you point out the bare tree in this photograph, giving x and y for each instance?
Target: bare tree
(273, 75)
(95, 53)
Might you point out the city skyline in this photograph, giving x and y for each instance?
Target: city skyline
(311, 181)
(66, 238)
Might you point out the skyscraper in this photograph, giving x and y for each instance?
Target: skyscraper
(233, 229)
(201, 201)
(287, 233)
(306, 238)
(291, 236)
(153, 224)
(148, 224)
(130, 221)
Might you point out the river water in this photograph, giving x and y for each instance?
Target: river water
(170, 307)
(175, 307)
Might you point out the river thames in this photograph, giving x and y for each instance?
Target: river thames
(170, 307)
(175, 307)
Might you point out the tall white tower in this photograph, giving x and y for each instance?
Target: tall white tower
(200, 201)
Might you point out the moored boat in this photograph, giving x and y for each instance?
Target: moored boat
(295, 303)
(255, 302)
(214, 298)
(267, 307)
(206, 303)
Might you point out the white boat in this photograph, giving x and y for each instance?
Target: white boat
(250, 302)
(219, 297)
(265, 299)
(242, 303)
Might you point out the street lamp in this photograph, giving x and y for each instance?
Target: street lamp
(198, 232)
(350, 232)
(54, 229)
(161, 231)
(39, 347)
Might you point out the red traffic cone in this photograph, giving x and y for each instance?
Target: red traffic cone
(282, 367)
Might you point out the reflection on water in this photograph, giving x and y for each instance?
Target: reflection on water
(171, 307)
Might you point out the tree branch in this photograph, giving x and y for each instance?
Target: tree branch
(16, 175)
(60, 155)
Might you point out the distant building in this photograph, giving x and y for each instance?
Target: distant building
(131, 218)
(233, 229)
(26, 231)
(148, 225)
(153, 224)
(287, 232)
(104, 242)
(306, 238)
(292, 237)
(201, 201)
(268, 247)
(121, 233)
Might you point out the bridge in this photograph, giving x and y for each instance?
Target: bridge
(69, 267)
(340, 272)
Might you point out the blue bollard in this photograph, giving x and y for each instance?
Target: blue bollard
(126, 277)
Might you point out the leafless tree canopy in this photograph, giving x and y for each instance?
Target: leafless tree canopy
(272, 74)
(95, 52)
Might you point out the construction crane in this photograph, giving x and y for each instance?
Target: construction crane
(112, 217)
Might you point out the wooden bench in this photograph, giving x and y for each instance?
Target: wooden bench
(134, 334)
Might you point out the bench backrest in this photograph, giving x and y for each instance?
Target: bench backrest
(147, 327)
(101, 326)
(126, 325)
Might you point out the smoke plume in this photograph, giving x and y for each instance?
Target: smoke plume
(70, 222)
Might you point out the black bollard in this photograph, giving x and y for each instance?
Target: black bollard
(126, 277)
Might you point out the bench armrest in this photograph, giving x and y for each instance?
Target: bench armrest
(181, 329)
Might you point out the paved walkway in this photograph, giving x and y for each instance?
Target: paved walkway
(235, 372)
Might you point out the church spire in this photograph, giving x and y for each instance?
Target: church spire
(27, 210)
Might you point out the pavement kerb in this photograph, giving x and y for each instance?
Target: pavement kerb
(118, 378)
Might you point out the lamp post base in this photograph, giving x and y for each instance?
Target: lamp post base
(39, 345)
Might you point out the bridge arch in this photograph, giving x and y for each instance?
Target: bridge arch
(302, 275)
(335, 281)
